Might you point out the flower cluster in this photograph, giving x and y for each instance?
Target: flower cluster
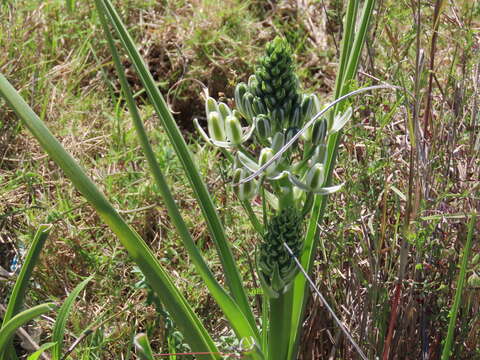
(273, 110)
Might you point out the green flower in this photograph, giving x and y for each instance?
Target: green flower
(276, 267)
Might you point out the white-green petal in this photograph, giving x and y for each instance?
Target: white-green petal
(202, 132)
(247, 162)
(224, 110)
(293, 179)
(210, 105)
(340, 120)
(328, 190)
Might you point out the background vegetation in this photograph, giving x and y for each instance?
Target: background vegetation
(401, 195)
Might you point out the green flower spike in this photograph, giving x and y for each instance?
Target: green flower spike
(276, 267)
(273, 89)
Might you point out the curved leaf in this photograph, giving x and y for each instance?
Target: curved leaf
(59, 327)
(8, 330)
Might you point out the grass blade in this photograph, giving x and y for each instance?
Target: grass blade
(142, 345)
(447, 347)
(58, 332)
(188, 322)
(36, 355)
(205, 201)
(8, 330)
(348, 67)
(231, 310)
(18, 293)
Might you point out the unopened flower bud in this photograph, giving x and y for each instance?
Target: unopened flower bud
(216, 126)
(290, 133)
(210, 105)
(224, 110)
(258, 106)
(265, 155)
(247, 190)
(233, 129)
(315, 177)
(247, 103)
(278, 141)
(319, 132)
(320, 154)
(262, 127)
(240, 90)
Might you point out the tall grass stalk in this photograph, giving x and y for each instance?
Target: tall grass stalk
(447, 346)
(352, 45)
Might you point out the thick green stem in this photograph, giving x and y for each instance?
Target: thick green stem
(279, 330)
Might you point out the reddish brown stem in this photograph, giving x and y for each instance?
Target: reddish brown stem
(428, 111)
(393, 320)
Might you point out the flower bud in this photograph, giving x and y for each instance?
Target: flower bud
(240, 90)
(233, 130)
(262, 127)
(308, 104)
(265, 155)
(210, 105)
(295, 121)
(258, 106)
(247, 103)
(278, 141)
(252, 82)
(270, 102)
(289, 134)
(316, 176)
(216, 126)
(320, 154)
(224, 110)
(266, 87)
(244, 191)
(319, 132)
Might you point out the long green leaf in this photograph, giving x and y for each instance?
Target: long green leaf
(205, 201)
(62, 316)
(447, 347)
(36, 355)
(231, 310)
(142, 345)
(7, 331)
(18, 293)
(348, 67)
(188, 322)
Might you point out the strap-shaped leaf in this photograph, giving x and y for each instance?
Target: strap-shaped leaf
(8, 330)
(230, 308)
(207, 206)
(18, 293)
(142, 345)
(62, 317)
(191, 326)
(36, 355)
